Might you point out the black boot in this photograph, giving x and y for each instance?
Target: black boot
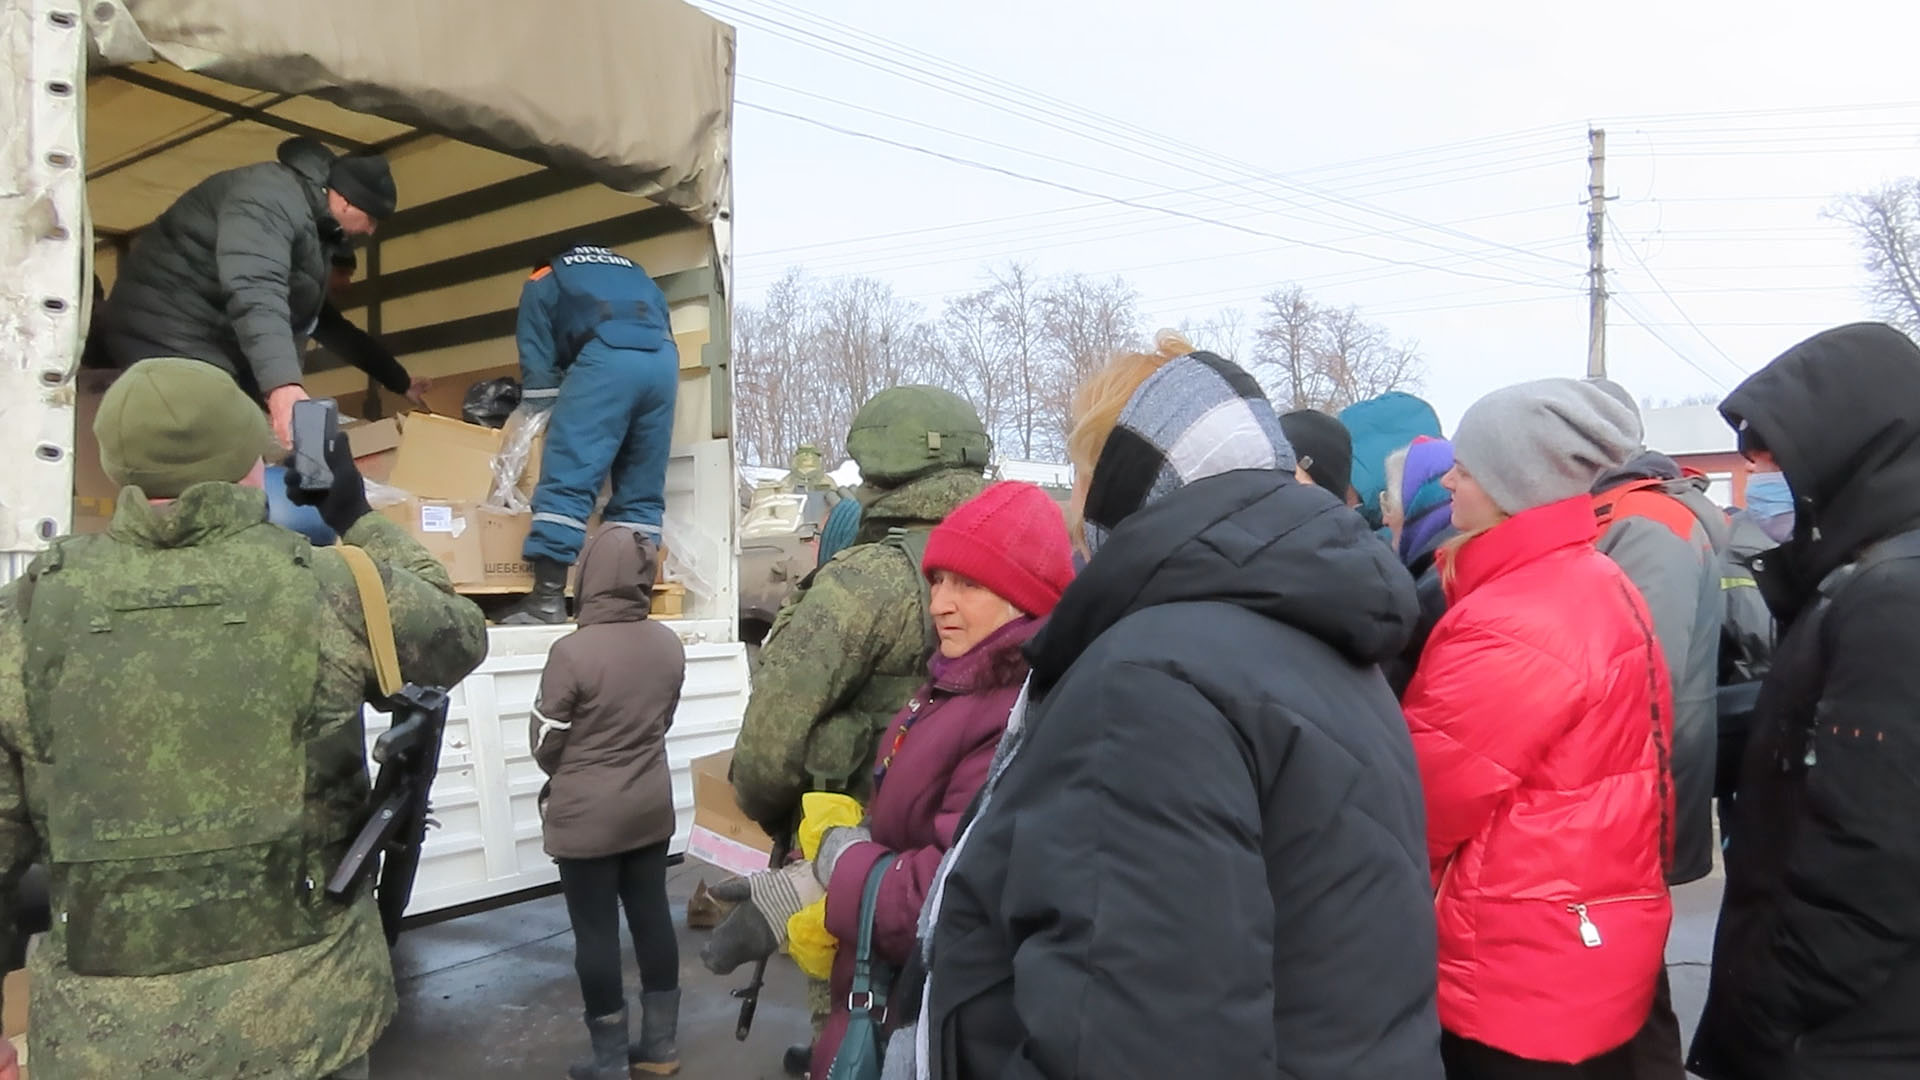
(547, 603)
(799, 1060)
(655, 1054)
(609, 1061)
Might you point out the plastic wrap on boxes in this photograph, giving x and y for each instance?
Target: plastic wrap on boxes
(517, 439)
(489, 403)
(689, 556)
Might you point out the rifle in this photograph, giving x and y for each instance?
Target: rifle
(409, 755)
(749, 994)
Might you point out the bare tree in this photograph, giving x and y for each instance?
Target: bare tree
(1315, 357)
(1225, 334)
(981, 371)
(1359, 360)
(1285, 347)
(1887, 227)
(1020, 331)
(1087, 321)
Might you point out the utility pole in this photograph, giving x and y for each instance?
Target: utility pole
(1596, 254)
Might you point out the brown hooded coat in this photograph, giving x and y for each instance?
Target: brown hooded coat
(607, 698)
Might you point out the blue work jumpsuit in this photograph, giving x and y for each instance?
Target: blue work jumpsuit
(596, 346)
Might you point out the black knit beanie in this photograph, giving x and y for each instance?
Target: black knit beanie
(365, 181)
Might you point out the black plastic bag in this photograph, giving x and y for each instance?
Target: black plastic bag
(489, 403)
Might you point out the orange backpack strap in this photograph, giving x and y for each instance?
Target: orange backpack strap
(1644, 499)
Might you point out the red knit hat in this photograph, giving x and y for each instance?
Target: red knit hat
(1012, 539)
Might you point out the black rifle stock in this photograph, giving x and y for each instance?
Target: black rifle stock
(408, 754)
(749, 994)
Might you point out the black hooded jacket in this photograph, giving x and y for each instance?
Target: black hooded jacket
(1816, 969)
(1208, 856)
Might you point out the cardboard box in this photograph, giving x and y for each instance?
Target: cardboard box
(16, 988)
(376, 446)
(439, 458)
(479, 545)
(723, 835)
(93, 494)
(442, 458)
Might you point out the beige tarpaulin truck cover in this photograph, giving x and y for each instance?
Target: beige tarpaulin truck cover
(636, 94)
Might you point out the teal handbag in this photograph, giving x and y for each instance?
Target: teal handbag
(860, 1049)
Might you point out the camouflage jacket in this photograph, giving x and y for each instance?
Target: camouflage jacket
(844, 654)
(296, 1014)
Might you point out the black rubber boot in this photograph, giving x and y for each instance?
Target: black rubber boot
(547, 603)
(609, 1061)
(655, 1054)
(799, 1060)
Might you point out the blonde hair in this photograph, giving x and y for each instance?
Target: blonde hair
(1099, 401)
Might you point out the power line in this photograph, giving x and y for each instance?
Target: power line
(1027, 97)
(1627, 306)
(1123, 201)
(1634, 251)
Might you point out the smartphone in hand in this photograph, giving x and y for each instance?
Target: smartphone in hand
(315, 422)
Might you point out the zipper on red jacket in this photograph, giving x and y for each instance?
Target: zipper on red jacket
(1589, 933)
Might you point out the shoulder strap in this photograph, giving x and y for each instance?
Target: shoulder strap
(913, 544)
(864, 984)
(1646, 498)
(373, 601)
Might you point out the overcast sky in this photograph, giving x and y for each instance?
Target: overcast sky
(1439, 150)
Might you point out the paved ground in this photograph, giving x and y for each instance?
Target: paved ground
(493, 995)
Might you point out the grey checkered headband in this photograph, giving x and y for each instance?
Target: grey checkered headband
(1196, 417)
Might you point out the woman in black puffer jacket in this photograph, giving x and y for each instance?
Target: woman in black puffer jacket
(1201, 851)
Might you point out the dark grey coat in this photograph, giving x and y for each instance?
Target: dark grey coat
(234, 273)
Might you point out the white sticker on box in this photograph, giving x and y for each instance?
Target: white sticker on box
(436, 519)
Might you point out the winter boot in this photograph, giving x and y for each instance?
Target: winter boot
(655, 1054)
(609, 1061)
(798, 1060)
(547, 603)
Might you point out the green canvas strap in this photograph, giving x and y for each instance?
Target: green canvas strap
(913, 544)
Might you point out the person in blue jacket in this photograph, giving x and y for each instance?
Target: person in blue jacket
(596, 348)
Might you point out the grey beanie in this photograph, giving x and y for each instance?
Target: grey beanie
(1541, 442)
(1619, 393)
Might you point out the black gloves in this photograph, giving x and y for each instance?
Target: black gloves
(346, 501)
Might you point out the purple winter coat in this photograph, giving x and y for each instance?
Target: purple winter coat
(939, 767)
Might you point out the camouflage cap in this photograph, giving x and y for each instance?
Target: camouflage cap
(169, 423)
(909, 431)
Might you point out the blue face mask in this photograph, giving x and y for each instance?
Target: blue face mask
(1768, 495)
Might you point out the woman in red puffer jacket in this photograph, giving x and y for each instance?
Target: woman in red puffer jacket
(1540, 715)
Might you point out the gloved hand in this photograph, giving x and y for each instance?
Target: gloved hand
(834, 843)
(758, 927)
(541, 402)
(345, 502)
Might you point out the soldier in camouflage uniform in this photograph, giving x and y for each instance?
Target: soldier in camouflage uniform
(851, 646)
(181, 741)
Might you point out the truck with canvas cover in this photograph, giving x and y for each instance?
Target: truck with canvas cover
(116, 107)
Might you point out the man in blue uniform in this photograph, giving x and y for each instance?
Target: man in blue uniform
(595, 347)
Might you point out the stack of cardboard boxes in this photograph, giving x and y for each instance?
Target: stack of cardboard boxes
(443, 471)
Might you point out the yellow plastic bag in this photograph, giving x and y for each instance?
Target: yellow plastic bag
(808, 942)
(820, 811)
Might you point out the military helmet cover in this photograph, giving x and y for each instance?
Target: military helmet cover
(906, 432)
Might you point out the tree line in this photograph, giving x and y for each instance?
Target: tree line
(812, 351)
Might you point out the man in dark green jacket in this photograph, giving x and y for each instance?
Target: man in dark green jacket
(181, 742)
(235, 272)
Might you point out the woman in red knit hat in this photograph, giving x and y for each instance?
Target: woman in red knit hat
(997, 565)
